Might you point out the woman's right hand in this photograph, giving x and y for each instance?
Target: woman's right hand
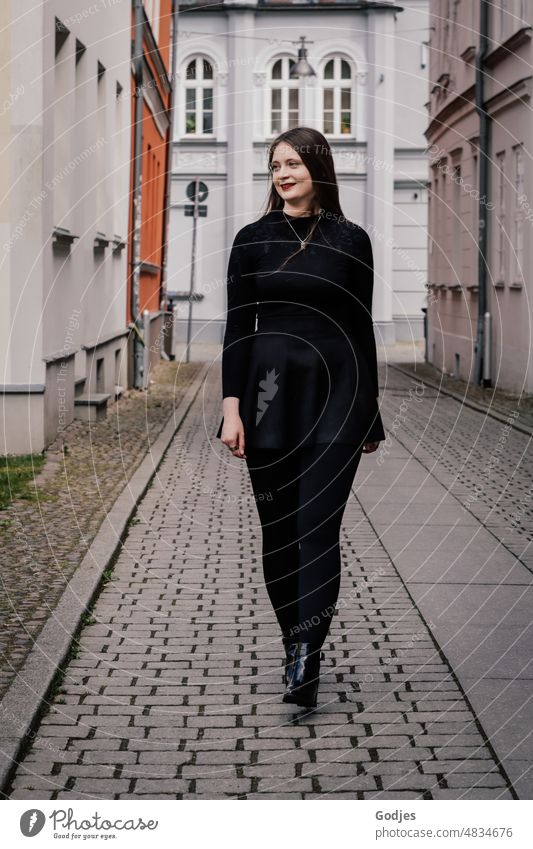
(233, 434)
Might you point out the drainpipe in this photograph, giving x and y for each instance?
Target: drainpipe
(138, 354)
(482, 347)
(168, 182)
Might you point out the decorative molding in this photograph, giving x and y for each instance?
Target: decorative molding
(192, 160)
(60, 355)
(461, 105)
(104, 340)
(62, 238)
(288, 6)
(455, 154)
(468, 53)
(150, 267)
(118, 243)
(442, 84)
(509, 96)
(22, 388)
(101, 241)
(507, 48)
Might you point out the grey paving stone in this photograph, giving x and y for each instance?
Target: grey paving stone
(521, 774)
(469, 793)
(413, 780)
(231, 786)
(101, 785)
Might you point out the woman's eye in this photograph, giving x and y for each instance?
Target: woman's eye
(292, 164)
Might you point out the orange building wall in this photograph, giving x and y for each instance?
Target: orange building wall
(154, 165)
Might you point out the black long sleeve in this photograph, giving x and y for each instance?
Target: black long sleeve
(322, 292)
(241, 315)
(362, 261)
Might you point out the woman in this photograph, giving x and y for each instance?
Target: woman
(300, 391)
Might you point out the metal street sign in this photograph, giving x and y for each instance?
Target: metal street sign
(189, 209)
(202, 190)
(196, 192)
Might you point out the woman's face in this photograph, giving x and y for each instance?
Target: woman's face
(291, 178)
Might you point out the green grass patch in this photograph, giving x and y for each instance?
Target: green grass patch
(16, 477)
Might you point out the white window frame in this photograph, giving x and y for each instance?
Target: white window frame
(518, 217)
(501, 244)
(337, 83)
(284, 83)
(456, 272)
(198, 85)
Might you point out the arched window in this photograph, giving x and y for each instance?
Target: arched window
(284, 96)
(337, 91)
(199, 97)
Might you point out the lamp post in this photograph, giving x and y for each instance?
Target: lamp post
(302, 71)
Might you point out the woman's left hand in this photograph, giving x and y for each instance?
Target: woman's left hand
(369, 447)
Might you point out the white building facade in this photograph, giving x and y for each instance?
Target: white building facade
(235, 96)
(65, 127)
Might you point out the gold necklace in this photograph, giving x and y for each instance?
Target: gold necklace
(303, 242)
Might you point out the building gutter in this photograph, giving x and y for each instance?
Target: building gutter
(168, 180)
(483, 342)
(137, 318)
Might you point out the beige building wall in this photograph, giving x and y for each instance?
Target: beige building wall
(65, 133)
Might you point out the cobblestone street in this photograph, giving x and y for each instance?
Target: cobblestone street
(48, 535)
(175, 689)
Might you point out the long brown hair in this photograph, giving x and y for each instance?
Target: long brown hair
(315, 152)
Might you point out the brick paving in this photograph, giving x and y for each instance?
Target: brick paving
(176, 689)
(485, 462)
(84, 473)
(492, 397)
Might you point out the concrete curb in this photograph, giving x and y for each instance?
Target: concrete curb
(21, 706)
(499, 415)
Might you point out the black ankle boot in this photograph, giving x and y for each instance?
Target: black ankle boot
(290, 648)
(303, 676)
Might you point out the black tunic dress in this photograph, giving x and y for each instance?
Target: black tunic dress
(299, 349)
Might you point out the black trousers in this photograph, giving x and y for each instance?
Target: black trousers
(301, 496)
